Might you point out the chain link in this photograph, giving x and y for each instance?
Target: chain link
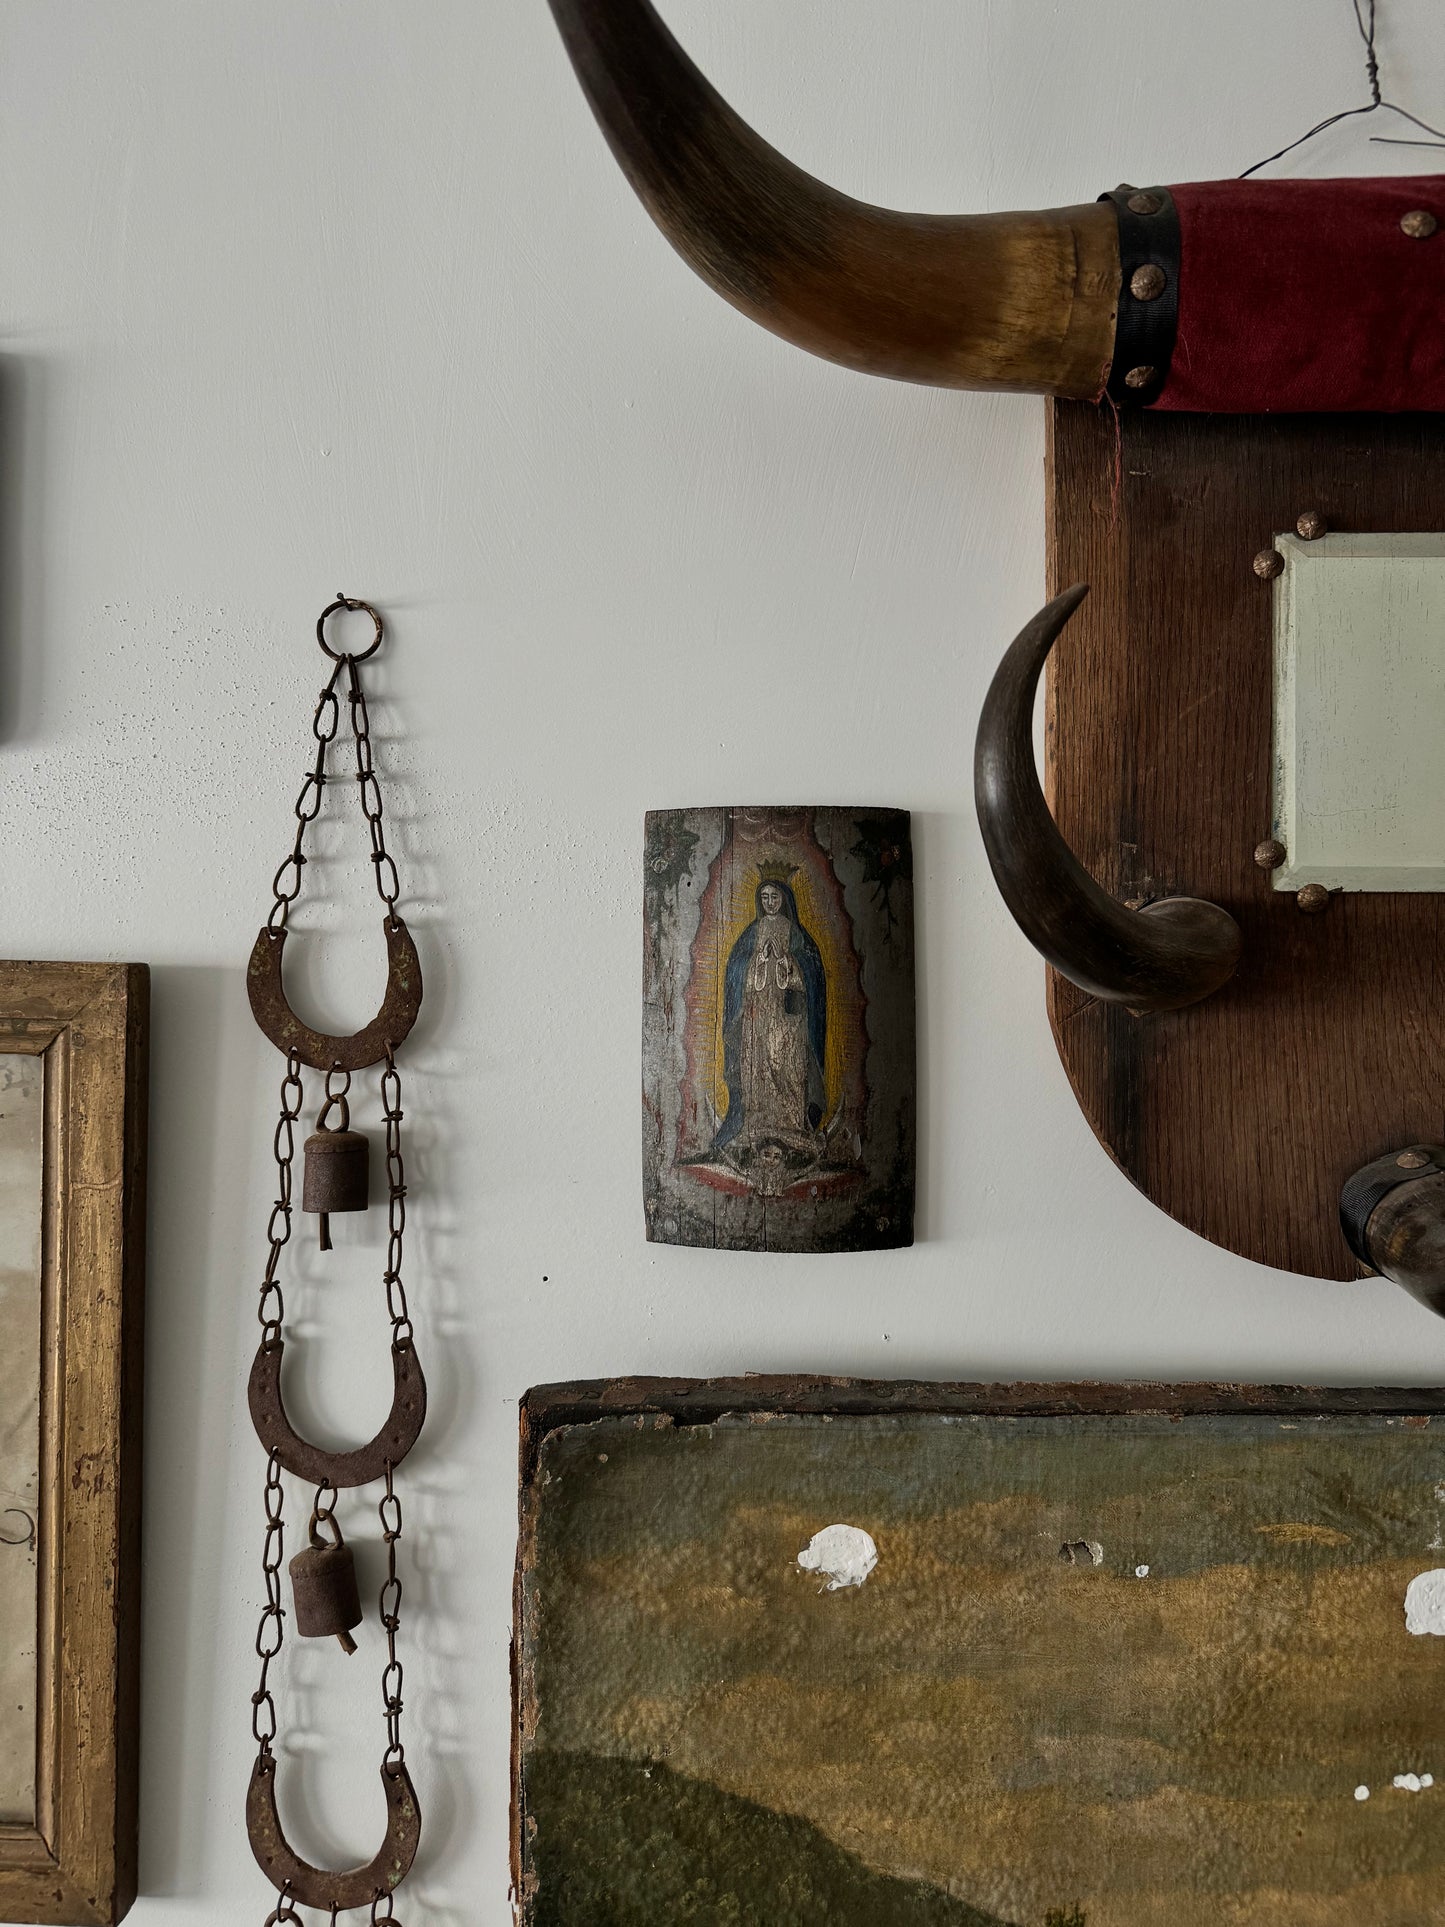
(272, 1308)
(396, 1304)
(389, 1512)
(286, 884)
(388, 883)
(284, 1911)
(270, 1631)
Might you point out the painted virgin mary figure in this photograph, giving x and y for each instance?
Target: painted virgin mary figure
(775, 1026)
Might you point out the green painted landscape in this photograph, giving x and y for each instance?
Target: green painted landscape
(1073, 1672)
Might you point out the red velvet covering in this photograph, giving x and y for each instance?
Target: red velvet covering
(1306, 295)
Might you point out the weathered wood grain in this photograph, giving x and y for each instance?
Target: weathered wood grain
(1243, 1116)
(90, 1022)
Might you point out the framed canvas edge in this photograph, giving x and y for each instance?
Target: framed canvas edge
(91, 1021)
(546, 1409)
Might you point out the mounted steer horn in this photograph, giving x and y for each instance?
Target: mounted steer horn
(1172, 953)
(1064, 302)
(1020, 301)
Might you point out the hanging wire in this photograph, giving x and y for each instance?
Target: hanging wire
(1365, 21)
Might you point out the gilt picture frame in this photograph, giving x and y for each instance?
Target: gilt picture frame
(73, 1120)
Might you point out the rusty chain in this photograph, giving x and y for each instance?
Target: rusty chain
(389, 1603)
(286, 887)
(324, 725)
(388, 883)
(270, 1631)
(272, 1308)
(396, 1304)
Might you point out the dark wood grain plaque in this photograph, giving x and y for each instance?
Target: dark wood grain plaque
(1243, 1115)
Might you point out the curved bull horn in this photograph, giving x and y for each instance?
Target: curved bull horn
(1170, 954)
(1013, 301)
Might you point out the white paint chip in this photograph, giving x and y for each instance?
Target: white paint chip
(1412, 1782)
(1362, 1793)
(1141, 1572)
(845, 1554)
(1425, 1603)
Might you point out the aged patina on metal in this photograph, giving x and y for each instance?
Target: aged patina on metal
(323, 1575)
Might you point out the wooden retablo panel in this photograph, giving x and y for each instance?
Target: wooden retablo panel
(979, 1656)
(1241, 1116)
(778, 1029)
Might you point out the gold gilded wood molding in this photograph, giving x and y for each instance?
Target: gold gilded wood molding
(89, 1023)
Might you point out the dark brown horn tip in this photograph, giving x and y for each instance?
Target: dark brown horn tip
(1166, 956)
(1392, 1212)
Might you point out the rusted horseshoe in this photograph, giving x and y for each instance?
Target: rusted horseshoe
(316, 1886)
(27, 1538)
(309, 1462)
(315, 1047)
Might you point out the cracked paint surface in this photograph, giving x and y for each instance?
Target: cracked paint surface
(993, 1732)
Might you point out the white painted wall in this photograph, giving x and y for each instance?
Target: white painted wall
(296, 295)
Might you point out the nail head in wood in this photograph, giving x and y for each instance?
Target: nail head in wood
(1148, 283)
(1312, 525)
(1270, 854)
(1313, 898)
(1419, 223)
(1268, 564)
(1139, 377)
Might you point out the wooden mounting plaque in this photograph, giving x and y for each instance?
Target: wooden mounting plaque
(1242, 1116)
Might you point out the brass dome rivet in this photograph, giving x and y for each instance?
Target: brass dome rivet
(1148, 283)
(1146, 203)
(1268, 563)
(1312, 525)
(1270, 854)
(1412, 1160)
(1313, 898)
(1139, 377)
(1419, 223)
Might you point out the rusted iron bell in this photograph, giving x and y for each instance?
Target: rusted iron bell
(336, 1173)
(323, 1589)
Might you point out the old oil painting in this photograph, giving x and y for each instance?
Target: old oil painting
(778, 1029)
(1105, 1670)
(21, 1151)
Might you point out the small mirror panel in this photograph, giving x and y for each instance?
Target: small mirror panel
(1359, 712)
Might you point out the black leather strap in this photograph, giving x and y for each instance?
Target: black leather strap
(1371, 1183)
(1146, 328)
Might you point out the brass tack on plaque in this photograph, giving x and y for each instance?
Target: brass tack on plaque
(1313, 898)
(1270, 854)
(1144, 203)
(1139, 377)
(1419, 223)
(1312, 525)
(1148, 283)
(1268, 563)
